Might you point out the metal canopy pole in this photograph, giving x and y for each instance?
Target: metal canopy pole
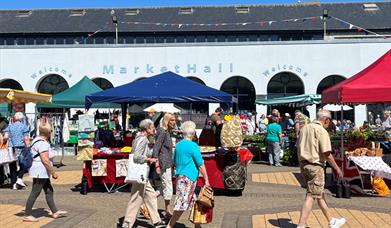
(342, 146)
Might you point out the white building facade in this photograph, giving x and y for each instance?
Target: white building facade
(258, 62)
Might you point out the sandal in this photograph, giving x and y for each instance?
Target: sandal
(144, 211)
(59, 214)
(30, 219)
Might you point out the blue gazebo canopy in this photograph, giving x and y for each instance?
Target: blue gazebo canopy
(167, 87)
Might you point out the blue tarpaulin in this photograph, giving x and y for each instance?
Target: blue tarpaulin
(167, 87)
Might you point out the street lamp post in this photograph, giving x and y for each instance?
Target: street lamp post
(325, 16)
(115, 22)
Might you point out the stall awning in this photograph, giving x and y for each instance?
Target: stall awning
(371, 85)
(292, 101)
(20, 96)
(167, 87)
(74, 97)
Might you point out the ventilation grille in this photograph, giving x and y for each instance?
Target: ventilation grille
(23, 13)
(132, 12)
(186, 10)
(77, 13)
(242, 10)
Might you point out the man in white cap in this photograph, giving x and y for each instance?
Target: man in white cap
(314, 149)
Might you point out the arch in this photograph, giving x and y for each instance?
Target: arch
(243, 89)
(52, 84)
(138, 79)
(328, 82)
(285, 84)
(10, 84)
(199, 107)
(103, 83)
(196, 79)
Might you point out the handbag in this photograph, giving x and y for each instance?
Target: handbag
(380, 186)
(206, 197)
(200, 214)
(137, 173)
(6, 155)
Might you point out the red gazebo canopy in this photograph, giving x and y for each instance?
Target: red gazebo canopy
(371, 85)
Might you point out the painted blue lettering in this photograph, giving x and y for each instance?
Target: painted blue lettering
(136, 69)
(149, 69)
(191, 67)
(123, 70)
(231, 67)
(163, 69)
(207, 69)
(220, 67)
(266, 73)
(108, 69)
(177, 69)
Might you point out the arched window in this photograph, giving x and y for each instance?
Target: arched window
(10, 84)
(284, 84)
(103, 83)
(243, 89)
(4, 107)
(198, 107)
(328, 82)
(196, 79)
(138, 79)
(52, 84)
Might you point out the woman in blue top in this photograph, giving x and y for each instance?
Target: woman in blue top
(17, 135)
(188, 162)
(274, 141)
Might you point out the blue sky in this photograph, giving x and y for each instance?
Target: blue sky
(28, 4)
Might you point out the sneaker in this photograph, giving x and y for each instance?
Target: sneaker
(160, 224)
(20, 182)
(15, 187)
(336, 223)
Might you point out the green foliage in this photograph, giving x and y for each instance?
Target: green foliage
(290, 156)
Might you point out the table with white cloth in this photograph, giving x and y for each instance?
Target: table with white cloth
(375, 164)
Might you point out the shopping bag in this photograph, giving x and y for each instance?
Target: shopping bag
(6, 155)
(200, 214)
(380, 186)
(137, 173)
(206, 197)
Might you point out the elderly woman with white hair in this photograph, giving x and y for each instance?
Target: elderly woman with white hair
(143, 193)
(17, 135)
(188, 163)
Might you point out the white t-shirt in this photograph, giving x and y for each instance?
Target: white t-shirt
(37, 169)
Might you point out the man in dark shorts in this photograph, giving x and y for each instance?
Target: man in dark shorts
(314, 149)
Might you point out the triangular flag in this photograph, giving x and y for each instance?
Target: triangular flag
(359, 29)
(270, 22)
(244, 23)
(351, 26)
(179, 25)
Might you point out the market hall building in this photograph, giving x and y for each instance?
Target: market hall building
(250, 51)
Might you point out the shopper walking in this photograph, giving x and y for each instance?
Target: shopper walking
(163, 152)
(17, 134)
(188, 163)
(314, 148)
(142, 193)
(41, 171)
(274, 141)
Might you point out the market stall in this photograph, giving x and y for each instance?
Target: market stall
(167, 87)
(21, 97)
(73, 97)
(371, 85)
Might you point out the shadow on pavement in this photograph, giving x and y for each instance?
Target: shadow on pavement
(37, 213)
(285, 223)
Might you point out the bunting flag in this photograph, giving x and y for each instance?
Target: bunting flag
(261, 24)
(359, 28)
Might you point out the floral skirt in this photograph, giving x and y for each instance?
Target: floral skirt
(185, 195)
